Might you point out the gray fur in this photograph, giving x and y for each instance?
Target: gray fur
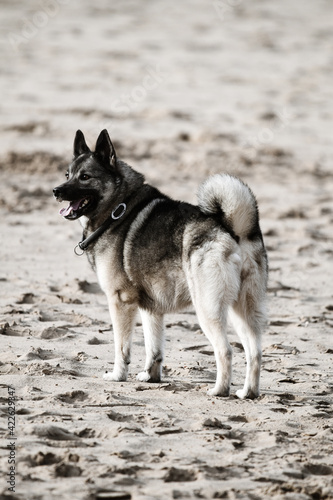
(164, 255)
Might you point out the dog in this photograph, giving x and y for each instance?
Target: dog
(157, 255)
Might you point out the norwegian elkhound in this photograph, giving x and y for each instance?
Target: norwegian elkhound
(159, 255)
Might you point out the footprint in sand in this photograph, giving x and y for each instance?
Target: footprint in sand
(73, 397)
(69, 319)
(44, 459)
(96, 341)
(215, 423)
(118, 417)
(317, 470)
(37, 353)
(53, 332)
(73, 292)
(55, 433)
(27, 298)
(175, 475)
(67, 470)
(15, 330)
(87, 287)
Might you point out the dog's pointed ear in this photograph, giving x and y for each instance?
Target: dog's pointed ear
(80, 146)
(105, 149)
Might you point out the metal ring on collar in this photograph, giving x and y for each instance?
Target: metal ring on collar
(77, 251)
(123, 208)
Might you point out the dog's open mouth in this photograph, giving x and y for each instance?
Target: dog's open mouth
(76, 208)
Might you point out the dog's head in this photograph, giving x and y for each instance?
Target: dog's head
(92, 178)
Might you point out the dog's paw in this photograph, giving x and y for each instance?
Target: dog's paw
(247, 394)
(143, 377)
(217, 391)
(241, 394)
(114, 377)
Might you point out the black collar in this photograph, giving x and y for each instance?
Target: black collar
(116, 214)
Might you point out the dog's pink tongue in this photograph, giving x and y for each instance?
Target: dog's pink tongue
(66, 211)
(74, 205)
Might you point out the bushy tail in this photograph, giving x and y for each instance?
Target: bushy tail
(228, 196)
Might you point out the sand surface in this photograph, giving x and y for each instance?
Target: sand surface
(185, 89)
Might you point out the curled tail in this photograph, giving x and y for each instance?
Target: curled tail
(229, 197)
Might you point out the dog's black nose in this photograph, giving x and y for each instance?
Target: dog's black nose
(56, 192)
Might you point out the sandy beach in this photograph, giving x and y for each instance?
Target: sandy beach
(186, 90)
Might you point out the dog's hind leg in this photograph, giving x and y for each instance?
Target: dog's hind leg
(154, 343)
(213, 279)
(249, 325)
(122, 316)
(215, 330)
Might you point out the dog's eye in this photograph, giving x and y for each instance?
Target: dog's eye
(67, 175)
(84, 177)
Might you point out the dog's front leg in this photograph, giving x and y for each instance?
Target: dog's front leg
(122, 316)
(154, 343)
